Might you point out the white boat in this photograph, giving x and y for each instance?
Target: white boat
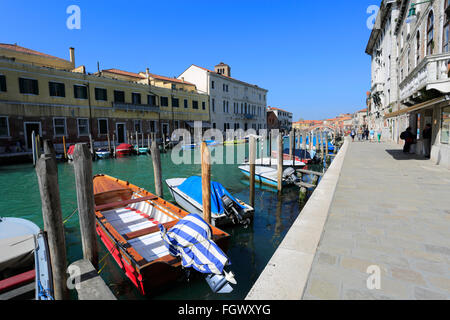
(25, 269)
(269, 175)
(103, 153)
(225, 209)
(273, 162)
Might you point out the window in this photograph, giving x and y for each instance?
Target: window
(203, 105)
(56, 89)
(164, 102)
(135, 98)
(83, 127)
(137, 126)
(417, 48)
(119, 96)
(446, 35)
(2, 83)
(214, 125)
(80, 92)
(151, 100)
(224, 105)
(194, 104)
(59, 125)
(175, 102)
(212, 84)
(223, 87)
(4, 127)
(213, 102)
(177, 124)
(103, 126)
(101, 94)
(445, 125)
(28, 86)
(185, 103)
(430, 33)
(153, 127)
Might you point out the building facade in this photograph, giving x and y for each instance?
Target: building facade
(234, 104)
(284, 118)
(418, 77)
(53, 98)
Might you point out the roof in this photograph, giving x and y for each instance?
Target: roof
(273, 108)
(15, 47)
(221, 75)
(142, 75)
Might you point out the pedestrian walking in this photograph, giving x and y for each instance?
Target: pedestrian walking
(366, 133)
(379, 135)
(372, 133)
(352, 134)
(427, 140)
(409, 139)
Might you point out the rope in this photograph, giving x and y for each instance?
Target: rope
(70, 215)
(107, 254)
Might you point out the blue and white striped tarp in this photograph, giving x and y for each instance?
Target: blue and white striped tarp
(190, 239)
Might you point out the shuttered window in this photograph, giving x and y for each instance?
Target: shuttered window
(28, 86)
(57, 89)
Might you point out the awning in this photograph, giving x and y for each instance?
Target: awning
(416, 107)
(204, 124)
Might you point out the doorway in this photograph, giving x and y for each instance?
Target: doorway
(121, 129)
(165, 129)
(29, 128)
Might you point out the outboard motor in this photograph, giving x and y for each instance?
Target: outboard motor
(232, 211)
(290, 176)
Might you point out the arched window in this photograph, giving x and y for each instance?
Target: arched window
(418, 47)
(445, 38)
(430, 33)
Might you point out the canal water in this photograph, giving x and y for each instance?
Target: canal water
(250, 249)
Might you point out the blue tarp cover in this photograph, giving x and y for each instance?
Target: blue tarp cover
(192, 186)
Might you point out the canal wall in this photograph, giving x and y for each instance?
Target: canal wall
(286, 274)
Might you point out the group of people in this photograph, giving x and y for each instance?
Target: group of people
(366, 134)
(410, 139)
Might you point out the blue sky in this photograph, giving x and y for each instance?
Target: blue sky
(308, 54)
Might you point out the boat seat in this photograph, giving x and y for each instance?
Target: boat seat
(136, 234)
(119, 204)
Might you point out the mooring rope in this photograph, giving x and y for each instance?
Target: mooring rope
(70, 215)
(107, 254)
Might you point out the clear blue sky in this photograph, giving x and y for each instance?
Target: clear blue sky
(308, 54)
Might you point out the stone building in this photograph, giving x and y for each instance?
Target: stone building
(418, 74)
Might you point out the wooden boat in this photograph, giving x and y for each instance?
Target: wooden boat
(269, 176)
(124, 149)
(127, 219)
(188, 194)
(25, 270)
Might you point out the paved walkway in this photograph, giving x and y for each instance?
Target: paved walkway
(391, 210)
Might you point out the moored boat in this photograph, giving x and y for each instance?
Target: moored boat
(70, 152)
(103, 153)
(225, 208)
(141, 150)
(236, 141)
(127, 222)
(269, 176)
(124, 149)
(25, 269)
(273, 162)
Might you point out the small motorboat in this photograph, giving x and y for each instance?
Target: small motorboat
(25, 269)
(129, 221)
(103, 153)
(269, 175)
(141, 150)
(209, 143)
(70, 152)
(124, 149)
(225, 209)
(236, 141)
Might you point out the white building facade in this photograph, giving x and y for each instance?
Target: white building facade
(284, 118)
(234, 104)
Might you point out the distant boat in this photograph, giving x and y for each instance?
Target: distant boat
(225, 209)
(304, 156)
(25, 269)
(70, 152)
(273, 162)
(140, 150)
(103, 153)
(209, 143)
(236, 141)
(129, 221)
(269, 175)
(124, 149)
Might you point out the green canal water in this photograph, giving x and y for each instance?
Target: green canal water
(250, 249)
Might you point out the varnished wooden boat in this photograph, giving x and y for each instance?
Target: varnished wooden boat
(127, 219)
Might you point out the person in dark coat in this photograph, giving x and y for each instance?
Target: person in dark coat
(408, 136)
(427, 140)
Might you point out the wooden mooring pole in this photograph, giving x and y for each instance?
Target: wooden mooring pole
(114, 144)
(206, 181)
(280, 162)
(252, 158)
(109, 143)
(91, 142)
(82, 165)
(64, 146)
(47, 173)
(156, 159)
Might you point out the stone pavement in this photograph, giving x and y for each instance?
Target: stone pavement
(389, 210)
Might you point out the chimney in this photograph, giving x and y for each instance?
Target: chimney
(72, 55)
(147, 72)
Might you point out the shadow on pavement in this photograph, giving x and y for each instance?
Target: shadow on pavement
(400, 155)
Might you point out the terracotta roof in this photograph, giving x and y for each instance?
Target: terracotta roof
(222, 75)
(169, 79)
(363, 110)
(273, 108)
(15, 47)
(124, 73)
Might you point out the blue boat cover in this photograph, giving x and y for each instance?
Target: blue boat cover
(190, 239)
(192, 186)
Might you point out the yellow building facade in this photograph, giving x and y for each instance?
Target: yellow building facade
(50, 96)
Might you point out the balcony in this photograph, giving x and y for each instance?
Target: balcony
(135, 107)
(431, 73)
